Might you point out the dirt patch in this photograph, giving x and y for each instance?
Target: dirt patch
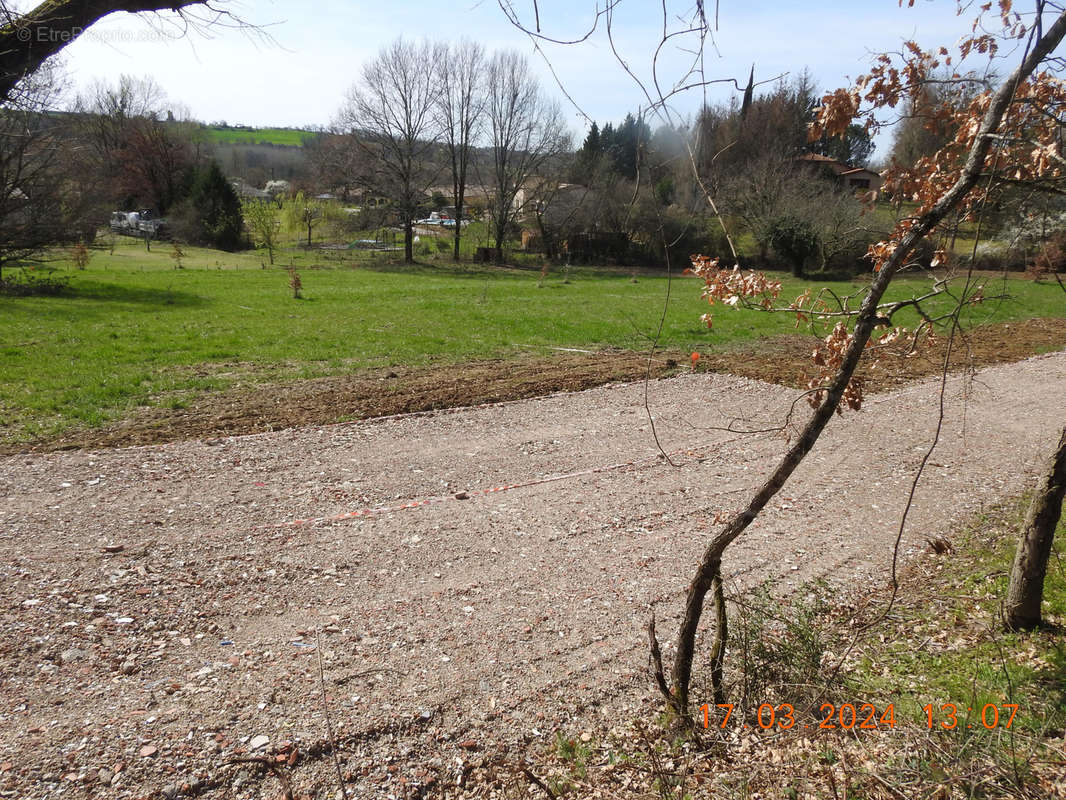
(787, 360)
(460, 585)
(278, 406)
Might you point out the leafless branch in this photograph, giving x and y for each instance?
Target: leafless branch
(328, 718)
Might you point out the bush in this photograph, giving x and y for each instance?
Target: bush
(780, 647)
(1051, 255)
(211, 214)
(29, 281)
(996, 258)
(795, 241)
(80, 255)
(685, 234)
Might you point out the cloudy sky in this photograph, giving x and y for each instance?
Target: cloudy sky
(298, 77)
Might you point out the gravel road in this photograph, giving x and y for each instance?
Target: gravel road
(466, 580)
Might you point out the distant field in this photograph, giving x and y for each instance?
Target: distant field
(134, 331)
(288, 137)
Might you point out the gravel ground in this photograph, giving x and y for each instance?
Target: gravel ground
(163, 615)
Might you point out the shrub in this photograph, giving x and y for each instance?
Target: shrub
(780, 647)
(211, 215)
(849, 261)
(1050, 256)
(30, 281)
(795, 241)
(80, 255)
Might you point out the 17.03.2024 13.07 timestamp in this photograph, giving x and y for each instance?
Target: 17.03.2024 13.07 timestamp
(864, 716)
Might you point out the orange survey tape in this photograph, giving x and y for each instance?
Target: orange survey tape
(366, 512)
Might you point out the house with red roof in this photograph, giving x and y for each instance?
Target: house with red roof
(857, 179)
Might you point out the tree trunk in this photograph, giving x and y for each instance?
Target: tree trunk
(408, 242)
(458, 229)
(499, 246)
(1026, 589)
(459, 205)
(45, 30)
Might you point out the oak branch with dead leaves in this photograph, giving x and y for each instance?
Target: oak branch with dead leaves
(1009, 133)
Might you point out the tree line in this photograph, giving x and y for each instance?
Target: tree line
(477, 132)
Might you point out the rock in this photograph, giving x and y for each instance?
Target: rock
(71, 655)
(462, 496)
(129, 667)
(105, 776)
(259, 742)
(171, 791)
(148, 751)
(114, 548)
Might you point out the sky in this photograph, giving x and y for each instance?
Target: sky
(298, 74)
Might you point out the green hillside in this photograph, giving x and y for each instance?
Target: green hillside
(287, 137)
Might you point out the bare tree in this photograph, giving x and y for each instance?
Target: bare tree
(38, 203)
(526, 131)
(1014, 113)
(336, 162)
(135, 157)
(461, 101)
(390, 114)
(109, 111)
(29, 38)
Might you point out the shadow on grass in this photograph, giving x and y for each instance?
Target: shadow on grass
(115, 293)
(489, 271)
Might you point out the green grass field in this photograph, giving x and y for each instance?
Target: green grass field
(132, 330)
(288, 137)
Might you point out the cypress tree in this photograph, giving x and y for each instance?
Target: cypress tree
(218, 208)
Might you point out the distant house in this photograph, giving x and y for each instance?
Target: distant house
(364, 198)
(274, 188)
(248, 192)
(857, 179)
(477, 195)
